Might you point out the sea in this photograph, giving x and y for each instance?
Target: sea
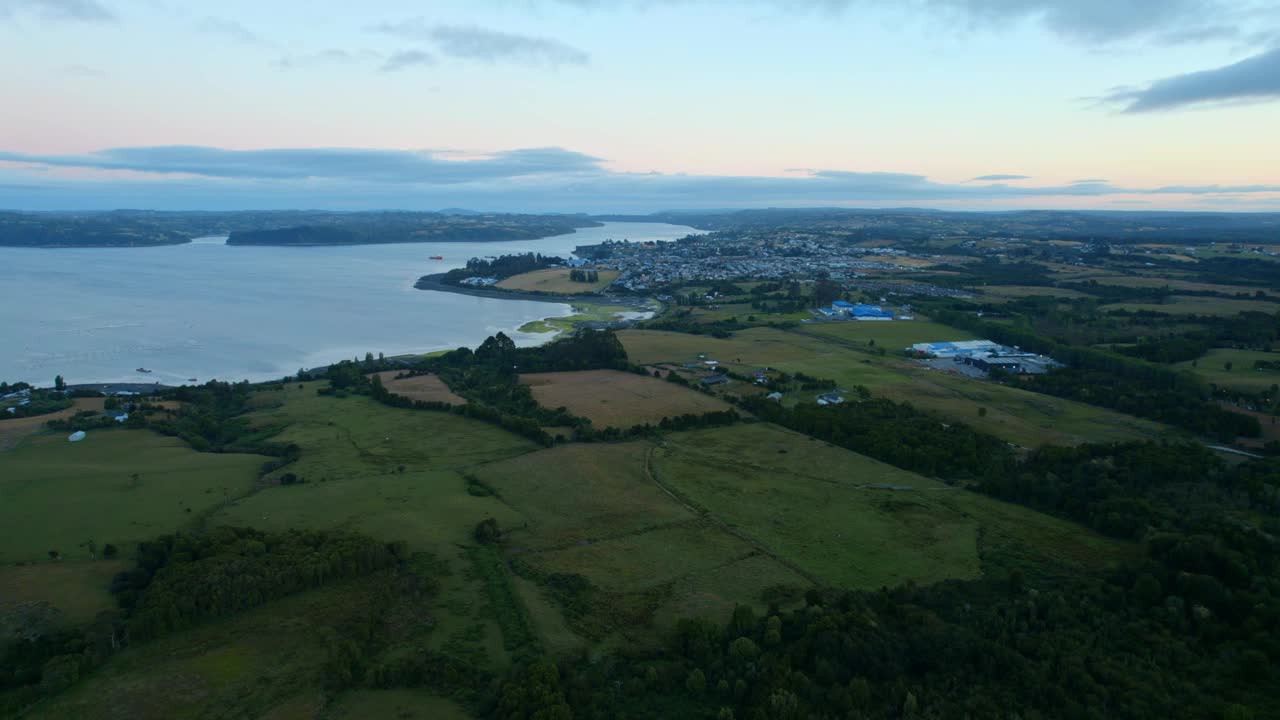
(207, 310)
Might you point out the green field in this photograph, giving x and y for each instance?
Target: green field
(582, 313)
(261, 663)
(394, 704)
(1212, 367)
(842, 352)
(1195, 305)
(56, 495)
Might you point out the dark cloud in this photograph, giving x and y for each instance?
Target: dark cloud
(398, 166)
(989, 178)
(471, 42)
(1253, 79)
(229, 29)
(72, 10)
(408, 59)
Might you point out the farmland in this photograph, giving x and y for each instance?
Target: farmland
(12, 431)
(556, 280)
(610, 398)
(116, 486)
(1234, 368)
(423, 388)
(1195, 305)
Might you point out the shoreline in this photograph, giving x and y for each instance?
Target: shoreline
(433, 283)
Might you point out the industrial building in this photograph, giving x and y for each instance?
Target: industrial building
(986, 355)
(856, 311)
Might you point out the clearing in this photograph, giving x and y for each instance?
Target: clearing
(612, 398)
(425, 388)
(556, 280)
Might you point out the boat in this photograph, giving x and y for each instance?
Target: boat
(192, 380)
(143, 370)
(436, 257)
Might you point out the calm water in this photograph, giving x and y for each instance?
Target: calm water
(207, 310)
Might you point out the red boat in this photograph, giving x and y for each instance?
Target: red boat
(437, 257)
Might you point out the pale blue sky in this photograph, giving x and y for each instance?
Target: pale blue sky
(640, 105)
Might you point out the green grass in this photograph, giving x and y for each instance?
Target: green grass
(842, 352)
(808, 502)
(262, 662)
(1194, 305)
(581, 493)
(78, 589)
(556, 280)
(56, 495)
(582, 313)
(1212, 368)
(394, 704)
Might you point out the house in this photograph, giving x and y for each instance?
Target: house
(870, 312)
(714, 380)
(774, 396)
(830, 399)
(121, 417)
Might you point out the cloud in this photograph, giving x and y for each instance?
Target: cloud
(471, 42)
(330, 56)
(70, 10)
(542, 179)
(229, 29)
(407, 59)
(399, 166)
(1255, 79)
(1088, 181)
(81, 71)
(988, 178)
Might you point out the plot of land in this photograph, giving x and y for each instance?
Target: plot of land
(610, 398)
(1196, 305)
(76, 588)
(12, 431)
(58, 495)
(425, 388)
(1213, 368)
(556, 280)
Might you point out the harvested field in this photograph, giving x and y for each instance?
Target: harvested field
(13, 431)
(556, 280)
(426, 388)
(610, 398)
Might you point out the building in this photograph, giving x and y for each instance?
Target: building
(954, 349)
(774, 396)
(870, 312)
(830, 399)
(714, 380)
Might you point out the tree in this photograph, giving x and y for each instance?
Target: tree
(1227, 366)
(487, 532)
(109, 551)
(696, 682)
(982, 412)
(55, 555)
(59, 384)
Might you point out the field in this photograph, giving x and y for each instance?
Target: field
(76, 588)
(556, 280)
(426, 388)
(582, 313)
(398, 704)
(1020, 291)
(1195, 305)
(12, 431)
(261, 663)
(842, 352)
(1212, 367)
(58, 495)
(611, 398)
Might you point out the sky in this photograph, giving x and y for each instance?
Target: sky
(636, 106)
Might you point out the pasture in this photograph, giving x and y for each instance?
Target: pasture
(611, 398)
(841, 351)
(582, 313)
(424, 388)
(1213, 368)
(116, 486)
(1196, 305)
(556, 280)
(76, 588)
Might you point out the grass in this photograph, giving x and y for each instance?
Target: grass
(398, 704)
(581, 493)
(261, 663)
(841, 351)
(610, 398)
(1021, 291)
(1212, 367)
(56, 495)
(427, 388)
(1194, 305)
(76, 588)
(556, 280)
(582, 313)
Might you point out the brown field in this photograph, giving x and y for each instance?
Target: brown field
(556, 280)
(13, 431)
(610, 398)
(427, 388)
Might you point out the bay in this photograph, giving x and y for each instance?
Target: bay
(207, 310)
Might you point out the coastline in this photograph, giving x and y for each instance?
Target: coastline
(433, 282)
